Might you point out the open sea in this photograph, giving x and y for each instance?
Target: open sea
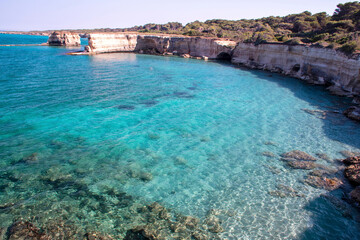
(87, 141)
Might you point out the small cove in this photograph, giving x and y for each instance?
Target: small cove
(188, 134)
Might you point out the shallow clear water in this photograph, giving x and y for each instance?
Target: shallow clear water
(198, 128)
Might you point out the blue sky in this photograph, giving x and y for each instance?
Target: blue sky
(76, 14)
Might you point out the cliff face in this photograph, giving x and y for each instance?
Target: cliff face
(64, 39)
(195, 47)
(105, 43)
(314, 65)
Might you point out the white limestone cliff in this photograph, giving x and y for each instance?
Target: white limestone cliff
(64, 39)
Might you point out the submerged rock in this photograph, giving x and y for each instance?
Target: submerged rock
(285, 191)
(213, 223)
(268, 154)
(31, 158)
(153, 136)
(298, 155)
(25, 231)
(323, 156)
(306, 165)
(323, 182)
(270, 143)
(126, 107)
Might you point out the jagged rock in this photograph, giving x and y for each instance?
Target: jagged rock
(25, 231)
(348, 154)
(352, 173)
(298, 155)
(301, 165)
(353, 113)
(323, 182)
(64, 39)
(352, 160)
(268, 154)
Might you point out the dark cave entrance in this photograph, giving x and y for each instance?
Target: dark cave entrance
(223, 56)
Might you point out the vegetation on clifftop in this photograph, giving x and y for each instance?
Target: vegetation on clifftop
(340, 31)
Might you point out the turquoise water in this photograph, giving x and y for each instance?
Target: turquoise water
(188, 134)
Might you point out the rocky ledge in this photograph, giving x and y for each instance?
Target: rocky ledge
(64, 39)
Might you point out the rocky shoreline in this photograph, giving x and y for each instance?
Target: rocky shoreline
(315, 65)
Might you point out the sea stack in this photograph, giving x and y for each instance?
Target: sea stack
(64, 39)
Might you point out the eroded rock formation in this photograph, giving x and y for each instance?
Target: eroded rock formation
(64, 39)
(194, 47)
(314, 65)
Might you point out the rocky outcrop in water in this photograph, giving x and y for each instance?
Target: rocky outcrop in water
(64, 39)
(352, 173)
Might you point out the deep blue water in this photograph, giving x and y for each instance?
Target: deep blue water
(197, 128)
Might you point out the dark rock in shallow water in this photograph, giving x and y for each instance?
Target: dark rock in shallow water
(351, 160)
(301, 165)
(126, 107)
(25, 231)
(298, 155)
(352, 173)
